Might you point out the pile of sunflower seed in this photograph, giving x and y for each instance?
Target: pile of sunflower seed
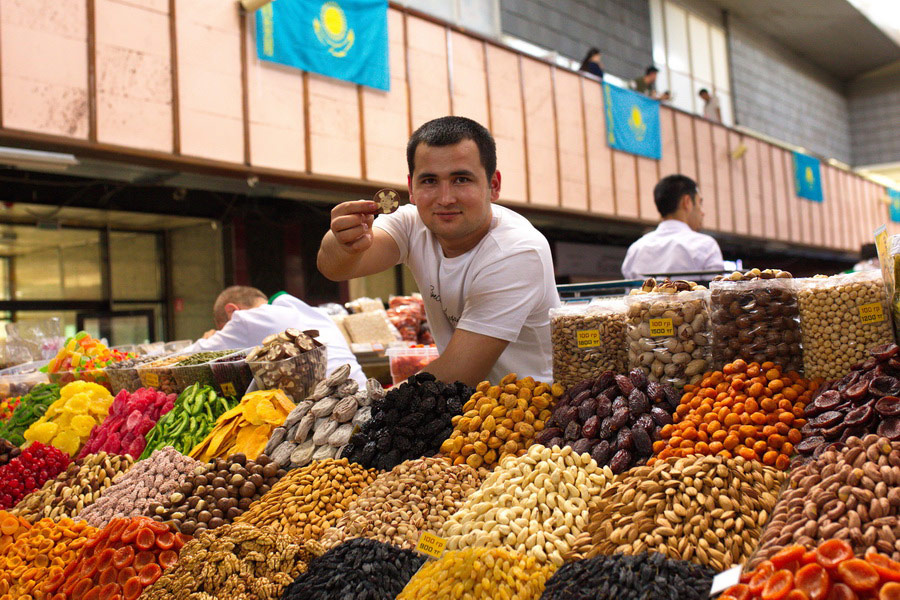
(322, 424)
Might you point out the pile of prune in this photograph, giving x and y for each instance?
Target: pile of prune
(410, 422)
(646, 576)
(615, 418)
(866, 400)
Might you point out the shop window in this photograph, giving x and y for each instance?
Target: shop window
(135, 261)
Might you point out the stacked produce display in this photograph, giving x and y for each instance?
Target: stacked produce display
(689, 430)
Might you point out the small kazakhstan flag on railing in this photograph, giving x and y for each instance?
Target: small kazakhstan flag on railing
(894, 197)
(345, 39)
(632, 122)
(808, 177)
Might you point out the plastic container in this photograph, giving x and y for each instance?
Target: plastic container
(124, 375)
(188, 375)
(159, 374)
(176, 346)
(588, 339)
(406, 361)
(232, 373)
(18, 380)
(296, 376)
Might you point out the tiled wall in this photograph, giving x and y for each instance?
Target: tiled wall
(875, 118)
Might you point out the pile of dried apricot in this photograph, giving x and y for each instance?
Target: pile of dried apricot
(749, 410)
(829, 572)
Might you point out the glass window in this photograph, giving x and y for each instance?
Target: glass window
(682, 92)
(135, 266)
(701, 63)
(725, 106)
(658, 34)
(719, 51)
(678, 52)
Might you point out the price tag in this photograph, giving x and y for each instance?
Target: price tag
(725, 580)
(871, 313)
(431, 545)
(661, 327)
(151, 379)
(228, 389)
(588, 338)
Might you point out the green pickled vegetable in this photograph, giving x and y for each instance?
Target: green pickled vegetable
(31, 408)
(192, 418)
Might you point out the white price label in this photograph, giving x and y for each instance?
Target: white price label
(725, 580)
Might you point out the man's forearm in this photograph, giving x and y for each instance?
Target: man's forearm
(334, 262)
(448, 372)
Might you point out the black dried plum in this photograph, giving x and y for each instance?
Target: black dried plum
(573, 431)
(581, 446)
(890, 428)
(661, 416)
(591, 427)
(620, 462)
(888, 406)
(638, 378)
(638, 403)
(625, 384)
(600, 452)
(884, 386)
(826, 419)
(859, 416)
(604, 407)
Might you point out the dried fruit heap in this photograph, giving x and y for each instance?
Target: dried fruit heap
(28, 471)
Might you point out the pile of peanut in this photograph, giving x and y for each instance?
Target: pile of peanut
(309, 500)
(705, 509)
(416, 496)
(79, 486)
(535, 504)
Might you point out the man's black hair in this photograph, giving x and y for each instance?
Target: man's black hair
(587, 57)
(669, 191)
(702, 91)
(651, 69)
(446, 131)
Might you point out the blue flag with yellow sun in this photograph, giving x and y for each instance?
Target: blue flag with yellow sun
(632, 122)
(894, 197)
(344, 39)
(808, 177)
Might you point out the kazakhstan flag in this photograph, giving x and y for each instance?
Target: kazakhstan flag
(894, 196)
(632, 122)
(808, 177)
(345, 39)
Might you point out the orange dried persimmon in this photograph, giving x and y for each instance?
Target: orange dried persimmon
(778, 585)
(142, 559)
(149, 574)
(831, 553)
(813, 579)
(888, 569)
(889, 591)
(858, 574)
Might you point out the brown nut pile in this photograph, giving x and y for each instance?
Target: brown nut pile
(850, 494)
(80, 485)
(499, 421)
(217, 493)
(235, 561)
(414, 497)
(668, 332)
(323, 423)
(841, 318)
(587, 340)
(309, 500)
(705, 509)
(292, 361)
(148, 482)
(755, 317)
(8, 451)
(535, 504)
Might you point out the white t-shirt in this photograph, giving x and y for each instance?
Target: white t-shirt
(504, 287)
(250, 326)
(673, 247)
(711, 109)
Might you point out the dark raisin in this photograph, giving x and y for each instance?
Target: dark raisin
(581, 446)
(573, 431)
(587, 410)
(567, 415)
(620, 462)
(548, 434)
(604, 407)
(661, 416)
(591, 427)
(638, 378)
(643, 444)
(618, 418)
(625, 384)
(600, 452)
(624, 439)
(638, 403)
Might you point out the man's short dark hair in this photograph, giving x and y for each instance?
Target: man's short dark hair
(447, 131)
(242, 295)
(651, 69)
(702, 91)
(669, 191)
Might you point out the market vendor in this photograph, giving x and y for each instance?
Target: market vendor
(485, 273)
(244, 317)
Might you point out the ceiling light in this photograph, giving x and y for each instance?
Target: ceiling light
(36, 159)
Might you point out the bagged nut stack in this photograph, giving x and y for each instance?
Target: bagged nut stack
(641, 577)
(705, 509)
(411, 421)
(535, 504)
(841, 318)
(234, 561)
(500, 420)
(753, 411)
(850, 494)
(323, 423)
(587, 340)
(309, 500)
(479, 574)
(755, 317)
(78, 486)
(615, 418)
(414, 497)
(149, 481)
(217, 493)
(669, 331)
(863, 401)
(292, 361)
(357, 569)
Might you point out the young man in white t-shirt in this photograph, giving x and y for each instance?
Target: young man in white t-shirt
(485, 272)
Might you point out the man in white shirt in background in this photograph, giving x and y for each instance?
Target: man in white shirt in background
(244, 317)
(486, 274)
(711, 108)
(675, 246)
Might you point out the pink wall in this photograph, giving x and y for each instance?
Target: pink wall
(190, 96)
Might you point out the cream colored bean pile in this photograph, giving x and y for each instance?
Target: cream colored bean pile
(416, 496)
(705, 509)
(535, 504)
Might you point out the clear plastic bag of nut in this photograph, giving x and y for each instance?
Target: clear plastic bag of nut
(668, 331)
(841, 318)
(588, 339)
(755, 317)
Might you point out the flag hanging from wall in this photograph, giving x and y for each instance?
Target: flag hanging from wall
(344, 39)
(894, 197)
(632, 122)
(808, 177)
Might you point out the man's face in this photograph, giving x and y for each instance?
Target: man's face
(452, 192)
(705, 96)
(695, 212)
(651, 78)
